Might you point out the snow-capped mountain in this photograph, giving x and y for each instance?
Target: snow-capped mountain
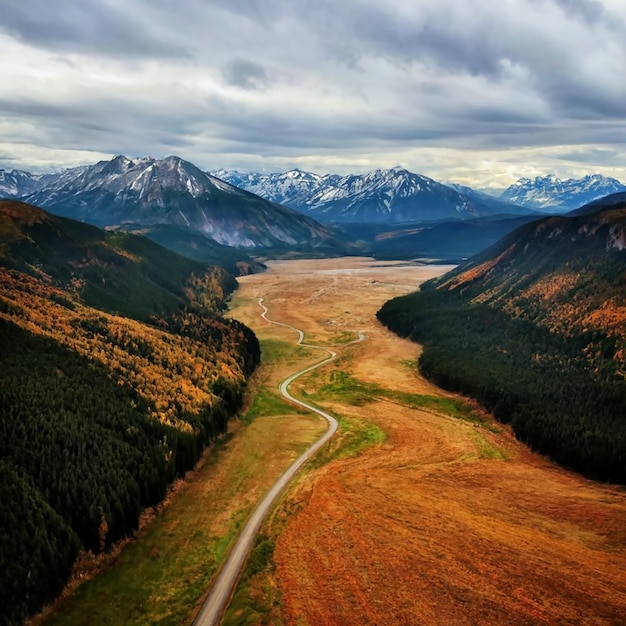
(381, 196)
(17, 183)
(549, 193)
(146, 191)
(394, 195)
(292, 188)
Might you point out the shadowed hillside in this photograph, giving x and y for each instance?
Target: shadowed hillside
(116, 370)
(535, 329)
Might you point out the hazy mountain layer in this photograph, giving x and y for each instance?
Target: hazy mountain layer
(453, 241)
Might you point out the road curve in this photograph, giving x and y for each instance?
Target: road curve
(224, 585)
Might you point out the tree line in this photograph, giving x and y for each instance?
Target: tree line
(82, 453)
(564, 396)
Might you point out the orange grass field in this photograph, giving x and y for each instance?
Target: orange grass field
(447, 521)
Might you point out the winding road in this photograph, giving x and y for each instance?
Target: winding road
(224, 585)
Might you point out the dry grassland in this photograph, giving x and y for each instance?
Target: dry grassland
(445, 522)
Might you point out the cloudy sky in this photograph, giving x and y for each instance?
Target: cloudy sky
(479, 92)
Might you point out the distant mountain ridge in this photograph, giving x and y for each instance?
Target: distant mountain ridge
(549, 193)
(380, 196)
(292, 188)
(17, 183)
(128, 193)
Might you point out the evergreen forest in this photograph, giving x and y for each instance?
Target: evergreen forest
(117, 369)
(535, 330)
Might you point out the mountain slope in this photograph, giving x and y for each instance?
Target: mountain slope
(116, 370)
(497, 205)
(549, 193)
(535, 329)
(615, 201)
(17, 183)
(379, 197)
(451, 241)
(197, 246)
(292, 188)
(146, 192)
(119, 272)
(566, 272)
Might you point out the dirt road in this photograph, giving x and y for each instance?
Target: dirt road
(223, 586)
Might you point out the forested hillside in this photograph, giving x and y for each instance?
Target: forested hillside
(116, 370)
(535, 329)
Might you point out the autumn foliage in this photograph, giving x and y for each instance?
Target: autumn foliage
(106, 396)
(535, 329)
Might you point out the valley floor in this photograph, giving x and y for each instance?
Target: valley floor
(449, 520)
(419, 511)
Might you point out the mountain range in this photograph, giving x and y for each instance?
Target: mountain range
(390, 196)
(224, 216)
(147, 192)
(399, 196)
(380, 196)
(553, 195)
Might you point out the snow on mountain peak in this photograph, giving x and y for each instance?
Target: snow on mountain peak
(296, 173)
(380, 195)
(560, 195)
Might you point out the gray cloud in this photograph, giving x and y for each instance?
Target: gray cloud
(245, 74)
(314, 82)
(592, 12)
(605, 156)
(87, 26)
